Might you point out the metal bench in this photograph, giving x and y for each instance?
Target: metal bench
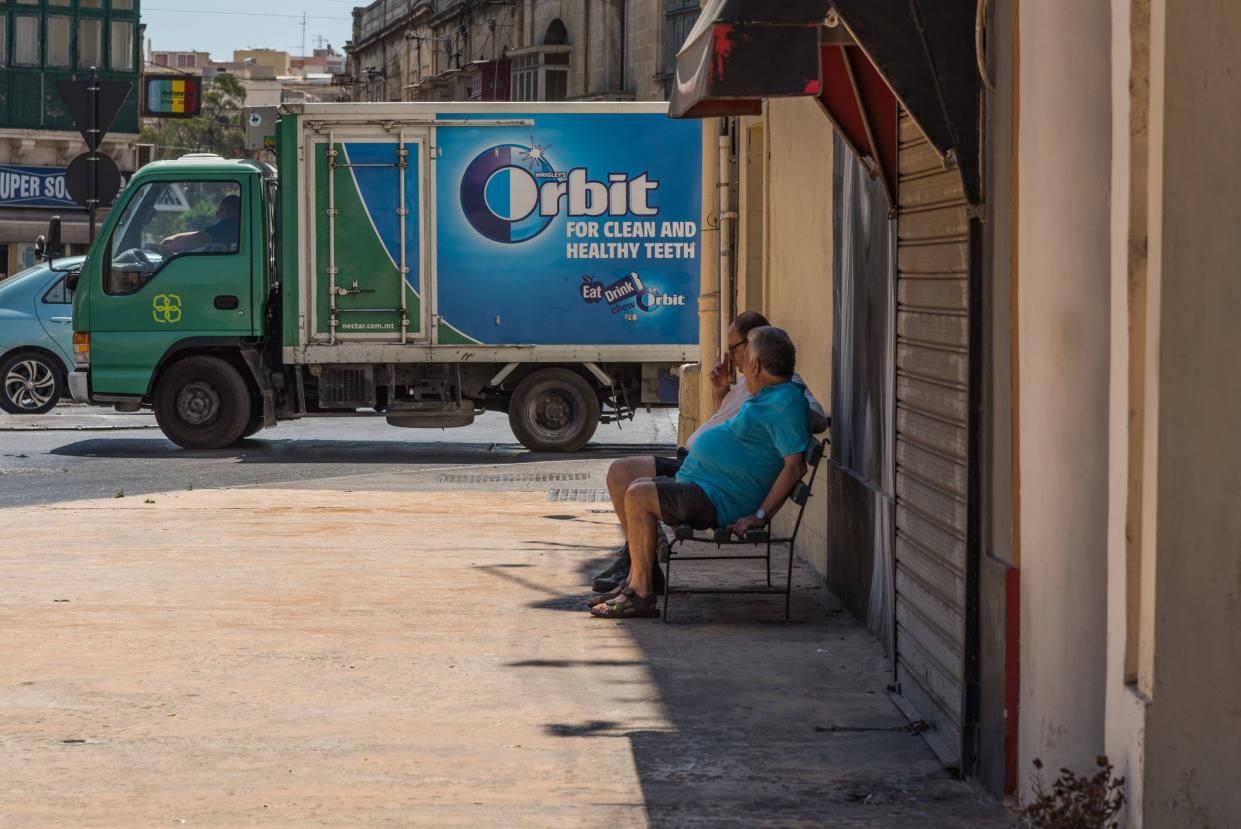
(724, 538)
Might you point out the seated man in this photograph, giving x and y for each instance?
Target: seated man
(737, 475)
(728, 401)
(225, 231)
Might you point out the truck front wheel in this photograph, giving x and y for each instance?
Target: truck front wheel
(554, 410)
(202, 403)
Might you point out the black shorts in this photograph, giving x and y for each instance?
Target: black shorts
(668, 467)
(684, 504)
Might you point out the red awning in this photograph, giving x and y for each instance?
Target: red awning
(863, 109)
(741, 51)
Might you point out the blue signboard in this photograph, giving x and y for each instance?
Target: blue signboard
(37, 187)
(582, 228)
(33, 187)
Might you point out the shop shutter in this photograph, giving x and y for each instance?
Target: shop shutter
(932, 443)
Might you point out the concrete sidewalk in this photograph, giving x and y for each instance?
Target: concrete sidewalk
(305, 658)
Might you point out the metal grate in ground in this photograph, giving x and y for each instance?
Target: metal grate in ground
(513, 477)
(588, 495)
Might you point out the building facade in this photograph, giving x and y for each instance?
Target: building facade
(41, 42)
(463, 50)
(1031, 503)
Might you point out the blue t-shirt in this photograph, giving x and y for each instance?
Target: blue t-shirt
(737, 462)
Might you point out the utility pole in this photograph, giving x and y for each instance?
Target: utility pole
(303, 34)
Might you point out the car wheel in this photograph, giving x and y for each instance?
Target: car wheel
(554, 410)
(202, 403)
(32, 384)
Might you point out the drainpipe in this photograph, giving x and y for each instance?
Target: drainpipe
(728, 218)
(709, 274)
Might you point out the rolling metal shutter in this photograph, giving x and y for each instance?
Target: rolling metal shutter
(933, 405)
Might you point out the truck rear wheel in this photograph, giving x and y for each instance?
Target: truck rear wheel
(554, 410)
(202, 403)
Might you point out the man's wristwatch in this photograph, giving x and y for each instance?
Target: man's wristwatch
(761, 515)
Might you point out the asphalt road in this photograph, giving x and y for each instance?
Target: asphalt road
(76, 452)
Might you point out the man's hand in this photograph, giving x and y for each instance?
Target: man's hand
(720, 379)
(744, 525)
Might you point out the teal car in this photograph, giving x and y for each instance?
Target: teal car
(36, 337)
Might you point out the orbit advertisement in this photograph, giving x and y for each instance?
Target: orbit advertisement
(582, 228)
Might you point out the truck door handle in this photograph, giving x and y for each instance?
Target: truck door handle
(226, 302)
(61, 319)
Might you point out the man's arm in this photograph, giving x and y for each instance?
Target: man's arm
(819, 423)
(794, 469)
(720, 384)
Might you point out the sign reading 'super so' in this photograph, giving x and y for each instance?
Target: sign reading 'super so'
(33, 187)
(580, 229)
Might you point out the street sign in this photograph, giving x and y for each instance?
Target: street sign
(179, 97)
(261, 128)
(93, 117)
(78, 179)
(93, 105)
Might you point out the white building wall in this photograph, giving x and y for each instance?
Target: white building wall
(1063, 320)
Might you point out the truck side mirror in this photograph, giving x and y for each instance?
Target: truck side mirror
(48, 247)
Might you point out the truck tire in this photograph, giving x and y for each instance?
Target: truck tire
(202, 403)
(554, 410)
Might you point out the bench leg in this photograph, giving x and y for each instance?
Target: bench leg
(788, 586)
(769, 561)
(668, 580)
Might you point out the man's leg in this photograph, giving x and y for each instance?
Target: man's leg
(622, 473)
(642, 527)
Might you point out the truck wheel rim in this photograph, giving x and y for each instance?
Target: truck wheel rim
(30, 384)
(554, 415)
(198, 404)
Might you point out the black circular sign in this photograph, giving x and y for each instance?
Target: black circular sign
(78, 179)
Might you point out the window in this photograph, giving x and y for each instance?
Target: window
(57, 41)
(90, 4)
(59, 2)
(26, 40)
(58, 294)
(679, 19)
(185, 61)
(90, 46)
(4, 30)
(166, 220)
(122, 46)
(542, 75)
(122, 4)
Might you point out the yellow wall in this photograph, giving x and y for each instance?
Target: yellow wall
(278, 60)
(797, 258)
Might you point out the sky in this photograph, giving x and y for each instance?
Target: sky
(220, 26)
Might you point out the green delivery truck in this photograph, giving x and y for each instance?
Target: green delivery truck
(419, 262)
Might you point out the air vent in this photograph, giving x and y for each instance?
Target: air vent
(347, 387)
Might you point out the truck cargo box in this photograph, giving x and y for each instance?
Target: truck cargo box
(564, 230)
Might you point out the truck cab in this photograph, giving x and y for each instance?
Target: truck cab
(181, 268)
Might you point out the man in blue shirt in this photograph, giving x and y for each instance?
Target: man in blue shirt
(737, 476)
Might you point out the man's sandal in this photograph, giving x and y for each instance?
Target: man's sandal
(628, 605)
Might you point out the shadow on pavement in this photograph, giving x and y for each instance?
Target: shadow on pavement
(771, 724)
(256, 451)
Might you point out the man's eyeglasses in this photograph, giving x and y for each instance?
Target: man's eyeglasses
(733, 347)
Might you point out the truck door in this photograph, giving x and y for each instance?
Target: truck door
(369, 251)
(177, 266)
